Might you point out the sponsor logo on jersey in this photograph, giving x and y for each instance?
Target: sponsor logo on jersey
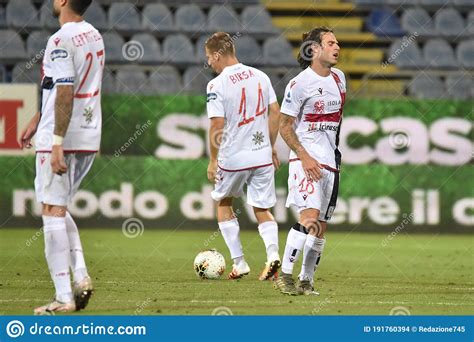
(56, 41)
(288, 98)
(211, 96)
(292, 84)
(319, 107)
(58, 53)
(88, 115)
(258, 138)
(65, 80)
(320, 90)
(334, 103)
(211, 86)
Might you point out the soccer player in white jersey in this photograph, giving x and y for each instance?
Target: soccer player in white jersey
(68, 131)
(244, 114)
(310, 125)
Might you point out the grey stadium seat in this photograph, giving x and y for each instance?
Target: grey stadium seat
(165, 80)
(177, 48)
(277, 51)
(190, 18)
(157, 17)
(108, 82)
(131, 80)
(11, 45)
(465, 53)
(200, 52)
(22, 13)
(220, 17)
(417, 20)
(3, 74)
(124, 16)
(96, 16)
(403, 2)
(36, 43)
(408, 56)
(448, 22)
(462, 2)
(460, 87)
(434, 2)
(439, 54)
(470, 24)
(277, 81)
(195, 80)
(3, 19)
(46, 16)
(151, 52)
(426, 87)
(26, 73)
(256, 18)
(248, 50)
(113, 47)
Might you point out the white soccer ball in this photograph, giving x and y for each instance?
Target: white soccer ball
(209, 264)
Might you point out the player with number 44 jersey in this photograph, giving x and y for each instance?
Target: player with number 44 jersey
(244, 114)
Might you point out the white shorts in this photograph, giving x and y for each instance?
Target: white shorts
(59, 190)
(260, 186)
(321, 195)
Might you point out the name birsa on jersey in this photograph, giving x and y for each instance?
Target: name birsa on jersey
(241, 76)
(85, 38)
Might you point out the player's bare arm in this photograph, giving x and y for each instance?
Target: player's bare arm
(274, 123)
(215, 131)
(62, 116)
(310, 165)
(29, 131)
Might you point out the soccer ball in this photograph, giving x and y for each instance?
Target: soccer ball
(209, 264)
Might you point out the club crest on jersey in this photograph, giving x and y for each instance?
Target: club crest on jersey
(58, 53)
(211, 96)
(319, 107)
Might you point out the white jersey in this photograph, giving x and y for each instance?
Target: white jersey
(242, 94)
(317, 104)
(75, 56)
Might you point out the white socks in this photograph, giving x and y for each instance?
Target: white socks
(294, 245)
(78, 265)
(231, 233)
(313, 250)
(269, 233)
(57, 255)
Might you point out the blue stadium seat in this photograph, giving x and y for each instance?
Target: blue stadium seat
(157, 17)
(384, 22)
(12, 45)
(113, 47)
(277, 51)
(26, 73)
(465, 53)
(96, 16)
(190, 18)
(460, 86)
(417, 20)
(165, 80)
(150, 48)
(406, 54)
(36, 43)
(256, 19)
(195, 80)
(223, 17)
(177, 48)
(124, 16)
(22, 14)
(248, 51)
(448, 22)
(425, 86)
(131, 80)
(439, 54)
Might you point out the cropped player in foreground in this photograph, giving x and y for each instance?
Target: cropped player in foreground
(68, 133)
(310, 125)
(242, 135)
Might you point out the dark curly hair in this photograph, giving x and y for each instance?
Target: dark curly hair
(305, 55)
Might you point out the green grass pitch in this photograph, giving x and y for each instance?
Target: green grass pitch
(152, 274)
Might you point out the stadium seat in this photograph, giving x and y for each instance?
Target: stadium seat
(368, 2)
(131, 80)
(276, 79)
(434, 2)
(448, 22)
(460, 87)
(36, 43)
(199, 48)
(151, 52)
(470, 24)
(426, 87)
(277, 51)
(255, 18)
(465, 53)
(3, 74)
(417, 20)
(463, 2)
(195, 80)
(177, 48)
(3, 19)
(108, 82)
(165, 80)
(220, 17)
(384, 22)
(96, 16)
(408, 56)
(26, 73)
(124, 16)
(113, 47)
(22, 14)
(190, 18)
(12, 45)
(157, 17)
(439, 54)
(403, 2)
(46, 16)
(248, 51)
